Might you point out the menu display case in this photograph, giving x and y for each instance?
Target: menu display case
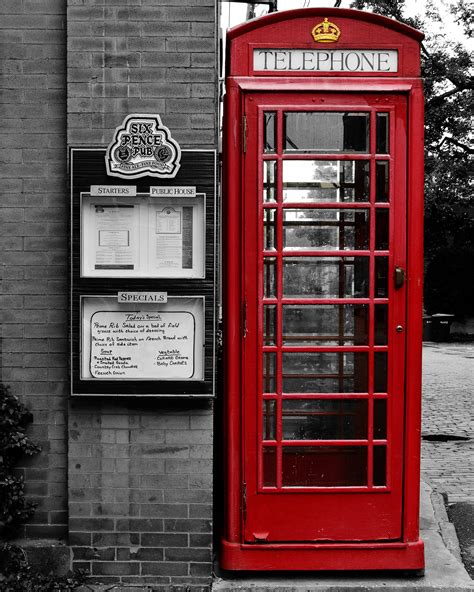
(143, 279)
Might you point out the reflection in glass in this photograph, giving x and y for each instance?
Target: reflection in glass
(329, 466)
(380, 419)
(324, 372)
(381, 324)
(269, 419)
(380, 465)
(269, 121)
(381, 180)
(325, 324)
(381, 229)
(324, 419)
(269, 369)
(381, 277)
(325, 180)
(326, 277)
(269, 324)
(380, 372)
(326, 132)
(269, 467)
(326, 229)
(269, 180)
(269, 229)
(382, 127)
(269, 277)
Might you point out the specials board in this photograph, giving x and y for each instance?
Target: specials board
(142, 345)
(155, 342)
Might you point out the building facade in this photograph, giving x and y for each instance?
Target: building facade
(125, 483)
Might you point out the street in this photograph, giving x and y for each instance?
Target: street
(447, 454)
(448, 419)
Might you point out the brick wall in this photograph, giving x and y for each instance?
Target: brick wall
(141, 492)
(142, 56)
(34, 241)
(138, 503)
(140, 474)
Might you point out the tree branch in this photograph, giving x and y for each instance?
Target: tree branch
(461, 145)
(439, 99)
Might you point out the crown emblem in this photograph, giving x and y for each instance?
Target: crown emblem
(326, 32)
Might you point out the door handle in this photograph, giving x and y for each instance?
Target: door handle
(399, 277)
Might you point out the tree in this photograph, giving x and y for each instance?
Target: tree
(449, 222)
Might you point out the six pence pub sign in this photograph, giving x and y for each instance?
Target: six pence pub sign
(142, 145)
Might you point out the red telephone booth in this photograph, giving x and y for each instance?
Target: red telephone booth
(323, 290)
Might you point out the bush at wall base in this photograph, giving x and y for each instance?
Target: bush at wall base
(16, 575)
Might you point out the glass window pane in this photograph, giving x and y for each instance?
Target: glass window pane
(269, 419)
(380, 465)
(380, 372)
(326, 132)
(381, 181)
(269, 277)
(325, 324)
(269, 121)
(383, 128)
(269, 180)
(325, 180)
(324, 372)
(329, 466)
(380, 419)
(269, 229)
(381, 277)
(381, 229)
(323, 419)
(269, 467)
(381, 324)
(269, 324)
(269, 368)
(326, 229)
(326, 277)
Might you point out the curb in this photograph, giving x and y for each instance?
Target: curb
(439, 500)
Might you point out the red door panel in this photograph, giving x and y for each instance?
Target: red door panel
(324, 348)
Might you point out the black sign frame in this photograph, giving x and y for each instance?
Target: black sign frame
(198, 169)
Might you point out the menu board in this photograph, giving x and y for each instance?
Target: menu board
(150, 342)
(142, 236)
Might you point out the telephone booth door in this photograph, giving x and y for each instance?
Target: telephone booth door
(323, 286)
(322, 265)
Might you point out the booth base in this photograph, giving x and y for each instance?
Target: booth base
(327, 557)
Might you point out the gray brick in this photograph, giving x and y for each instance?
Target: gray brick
(164, 540)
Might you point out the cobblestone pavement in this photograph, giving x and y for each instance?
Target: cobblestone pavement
(448, 405)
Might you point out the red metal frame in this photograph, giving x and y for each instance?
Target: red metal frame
(241, 362)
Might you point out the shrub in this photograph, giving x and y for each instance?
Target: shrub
(15, 573)
(14, 443)
(17, 576)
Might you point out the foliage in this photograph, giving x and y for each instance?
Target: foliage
(14, 419)
(15, 573)
(449, 222)
(17, 576)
